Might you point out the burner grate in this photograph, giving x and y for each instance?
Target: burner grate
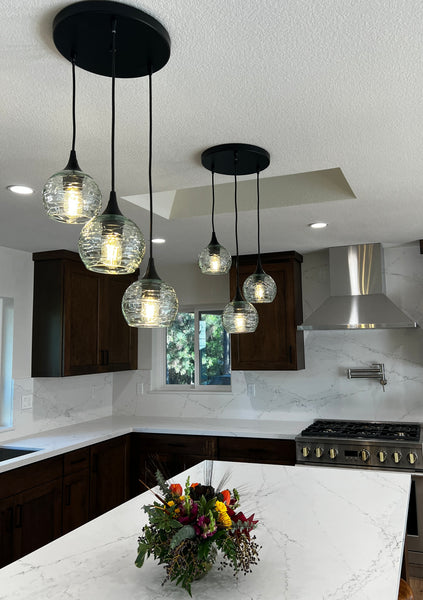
(363, 430)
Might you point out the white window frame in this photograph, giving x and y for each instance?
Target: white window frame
(159, 352)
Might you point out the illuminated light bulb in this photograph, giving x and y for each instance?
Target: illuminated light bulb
(239, 316)
(260, 291)
(259, 287)
(72, 197)
(111, 249)
(239, 321)
(214, 263)
(150, 307)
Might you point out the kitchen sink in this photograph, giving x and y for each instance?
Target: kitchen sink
(7, 452)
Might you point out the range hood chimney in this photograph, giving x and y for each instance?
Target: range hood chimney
(357, 287)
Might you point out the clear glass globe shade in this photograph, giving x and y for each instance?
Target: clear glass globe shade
(71, 196)
(111, 244)
(240, 316)
(149, 303)
(259, 288)
(214, 260)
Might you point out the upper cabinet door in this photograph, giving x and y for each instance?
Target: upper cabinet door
(78, 326)
(117, 341)
(276, 345)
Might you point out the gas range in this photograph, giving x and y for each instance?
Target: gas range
(363, 444)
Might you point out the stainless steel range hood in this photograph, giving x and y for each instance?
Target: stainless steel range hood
(357, 287)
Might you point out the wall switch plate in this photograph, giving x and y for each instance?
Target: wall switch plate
(251, 389)
(26, 401)
(140, 389)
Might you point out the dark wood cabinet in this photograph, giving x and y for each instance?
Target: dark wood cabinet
(109, 481)
(76, 489)
(169, 453)
(276, 344)
(30, 508)
(78, 326)
(257, 450)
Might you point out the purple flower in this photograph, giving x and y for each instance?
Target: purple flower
(190, 516)
(203, 527)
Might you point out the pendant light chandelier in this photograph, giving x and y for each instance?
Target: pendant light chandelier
(114, 40)
(150, 302)
(71, 196)
(239, 316)
(214, 259)
(259, 288)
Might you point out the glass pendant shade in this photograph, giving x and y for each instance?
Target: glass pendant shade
(111, 243)
(149, 302)
(71, 196)
(259, 288)
(240, 316)
(214, 259)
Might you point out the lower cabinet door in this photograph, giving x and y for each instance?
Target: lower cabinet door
(109, 480)
(38, 517)
(8, 548)
(76, 489)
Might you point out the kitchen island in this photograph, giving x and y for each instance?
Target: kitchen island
(327, 534)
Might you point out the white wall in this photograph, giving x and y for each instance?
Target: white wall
(322, 389)
(56, 401)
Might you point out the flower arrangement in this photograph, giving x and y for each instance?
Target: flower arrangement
(187, 527)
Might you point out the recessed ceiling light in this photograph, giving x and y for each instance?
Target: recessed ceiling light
(20, 189)
(318, 225)
(158, 241)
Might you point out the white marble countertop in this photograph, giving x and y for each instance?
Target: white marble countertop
(326, 534)
(57, 441)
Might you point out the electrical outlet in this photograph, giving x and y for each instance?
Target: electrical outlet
(140, 389)
(26, 401)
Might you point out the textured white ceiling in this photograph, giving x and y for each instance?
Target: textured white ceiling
(321, 84)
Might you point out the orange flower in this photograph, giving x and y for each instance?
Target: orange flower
(226, 496)
(194, 485)
(176, 489)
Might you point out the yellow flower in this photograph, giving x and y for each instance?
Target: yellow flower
(225, 519)
(170, 503)
(220, 507)
(181, 498)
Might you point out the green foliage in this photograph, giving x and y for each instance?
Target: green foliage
(187, 532)
(161, 482)
(180, 350)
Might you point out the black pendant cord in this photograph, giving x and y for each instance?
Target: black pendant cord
(72, 162)
(213, 232)
(114, 26)
(73, 103)
(150, 272)
(238, 290)
(259, 265)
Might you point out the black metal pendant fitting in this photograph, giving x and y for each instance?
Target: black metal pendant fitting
(221, 159)
(83, 30)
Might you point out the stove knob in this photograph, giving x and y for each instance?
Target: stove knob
(412, 457)
(333, 452)
(396, 457)
(364, 455)
(381, 456)
(319, 452)
(305, 451)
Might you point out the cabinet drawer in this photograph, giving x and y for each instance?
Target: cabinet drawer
(23, 478)
(278, 452)
(76, 461)
(198, 445)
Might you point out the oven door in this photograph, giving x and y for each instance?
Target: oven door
(415, 527)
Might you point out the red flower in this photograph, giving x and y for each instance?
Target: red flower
(249, 523)
(226, 496)
(176, 489)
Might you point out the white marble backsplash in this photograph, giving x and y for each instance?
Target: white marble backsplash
(58, 402)
(322, 389)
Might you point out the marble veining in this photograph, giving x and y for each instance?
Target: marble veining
(326, 534)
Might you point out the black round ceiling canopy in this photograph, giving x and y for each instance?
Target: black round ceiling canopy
(84, 30)
(221, 159)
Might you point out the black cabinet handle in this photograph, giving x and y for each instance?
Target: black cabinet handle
(102, 357)
(106, 352)
(18, 516)
(76, 462)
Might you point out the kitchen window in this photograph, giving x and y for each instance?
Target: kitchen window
(6, 353)
(197, 351)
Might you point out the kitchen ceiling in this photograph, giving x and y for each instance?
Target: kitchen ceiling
(330, 86)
